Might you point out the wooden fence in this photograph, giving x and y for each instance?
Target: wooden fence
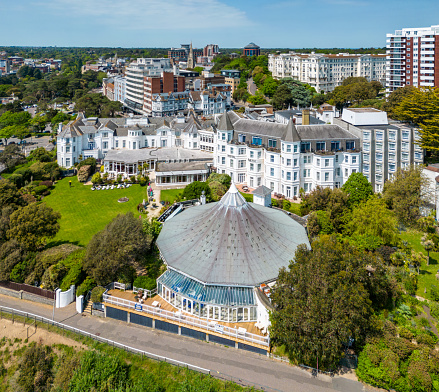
(29, 289)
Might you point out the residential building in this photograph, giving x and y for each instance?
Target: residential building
(119, 88)
(5, 66)
(169, 104)
(135, 83)
(285, 157)
(413, 58)
(207, 102)
(231, 73)
(251, 50)
(324, 72)
(233, 83)
(108, 88)
(386, 145)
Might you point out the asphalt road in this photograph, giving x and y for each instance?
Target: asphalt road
(251, 368)
(251, 86)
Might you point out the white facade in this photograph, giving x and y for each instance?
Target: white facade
(119, 88)
(252, 157)
(386, 146)
(169, 104)
(324, 72)
(411, 54)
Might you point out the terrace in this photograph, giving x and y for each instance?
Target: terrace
(157, 308)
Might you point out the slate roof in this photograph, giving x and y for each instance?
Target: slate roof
(181, 166)
(262, 191)
(251, 45)
(230, 242)
(291, 134)
(225, 124)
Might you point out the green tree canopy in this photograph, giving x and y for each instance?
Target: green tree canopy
(373, 219)
(194, 189)
(325, 298)
(406, 193)
(33, 224)
(358, 188)
(121, 245)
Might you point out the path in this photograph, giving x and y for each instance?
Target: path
(251, 86)
(253, 368)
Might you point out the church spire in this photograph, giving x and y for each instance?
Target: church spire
(190, 59)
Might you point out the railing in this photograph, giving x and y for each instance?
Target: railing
(188, 320)
(149, 293)
(29, 289)
(35, 318)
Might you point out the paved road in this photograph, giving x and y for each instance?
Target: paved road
(250, 368)
(251, 86)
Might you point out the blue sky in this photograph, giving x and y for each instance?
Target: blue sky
(165, 23)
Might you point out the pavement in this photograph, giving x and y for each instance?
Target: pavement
(251, 86)
(224, 362)
(31, 143)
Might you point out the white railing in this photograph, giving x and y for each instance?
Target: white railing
(211, 326)
(119, 286)
(149, 293)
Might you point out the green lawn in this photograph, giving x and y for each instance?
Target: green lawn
(170, 195)
(85, 212)
(427, 273)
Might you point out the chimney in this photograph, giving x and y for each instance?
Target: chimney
(305, 116)
(59, 127)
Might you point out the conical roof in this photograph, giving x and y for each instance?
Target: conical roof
(225, 124)
(291, 134)
(230, 242)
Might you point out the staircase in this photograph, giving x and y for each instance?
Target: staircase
(88, 304)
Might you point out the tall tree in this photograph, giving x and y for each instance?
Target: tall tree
(121, 245)
(325, 298)
(406, 193)
(358, 188)
(33, 225)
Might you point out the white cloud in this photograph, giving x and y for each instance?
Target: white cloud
(152, 14)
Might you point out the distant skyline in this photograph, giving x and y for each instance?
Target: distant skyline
(230, 24)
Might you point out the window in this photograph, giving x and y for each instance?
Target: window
(223, 148)
(241, 177)
(379, 157)
(346, 159)
(241, 163)
(337, 171)
(241, 151)
(326, 176)
(354, 159)
(257, 141)
(320, 146)
(366, 147)
(288, 176)
(272, 143)
(306, 159)
(259, 181)
(336, 158)
(252, 167)
(295, 176)
(379, 167)
(317, 162)
(223, 136)
(326, 162)
(405, 146)
(223, 160)
(67, 162)
(392, 146)
(241, 138)
(295, 148)
(289, 147)
(282, 174)
(335, 146)
(366, 136)
(124, 143)
(259, 154)
(366, 158)
(272, 158)
(271, 172)
(67, 148)
(288, 162)
(295, 162)
(318, 176)
(163, 133)
(405, 135)
(231, 163)
(305, 147)
(117, 143)
(392, 157)
(259, 167)
(104, 134)
(252, 154)
(405, 156)
(350, 145)
(346, 172)
(418, 155)
(391, 167)
(67, 140)
(379, 136)
(392, 135)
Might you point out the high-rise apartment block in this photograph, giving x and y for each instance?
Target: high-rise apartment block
(413, 58)
(324, 72)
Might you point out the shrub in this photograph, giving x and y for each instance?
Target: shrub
(40, 189)
(194, 189)
(87, 162)
(133, 179)
(406, 333)
(427, 339)
(102, 168)
(84, 173)
(143, 181)
(96, 179)
(85, 286)
(97, 294)
(145, 282)
(434, 310)
(434, 293)
(47, 183)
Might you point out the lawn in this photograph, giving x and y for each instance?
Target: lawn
(427, 273)
(170, 195)
(85, 212)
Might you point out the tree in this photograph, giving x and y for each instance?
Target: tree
(9, 195)
(121, 245)
(373, 218)
(358, 188)
(33, 224)
(395, 98)
(194, 189)
(223, 178)
(217, 190)
(325, 298)
(405, 193)
(96, 104)
(96, 179)
(428, 246)
(291, 92)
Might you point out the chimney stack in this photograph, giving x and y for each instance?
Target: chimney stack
(305, 116)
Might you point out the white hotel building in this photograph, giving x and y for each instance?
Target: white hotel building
(285, 157)
(324, 72)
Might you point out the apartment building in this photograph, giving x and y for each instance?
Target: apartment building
(412, 58)
(386, 145)
(324, 72)
(285, 157)
(135, 84)
(119, 88)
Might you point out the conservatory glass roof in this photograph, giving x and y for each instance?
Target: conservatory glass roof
(219, 295)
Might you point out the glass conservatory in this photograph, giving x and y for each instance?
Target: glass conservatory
(213, 302)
